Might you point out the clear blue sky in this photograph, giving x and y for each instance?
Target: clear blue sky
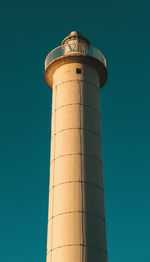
(28, 31)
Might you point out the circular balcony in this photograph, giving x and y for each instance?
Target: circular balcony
(72, 49)
(78, 52)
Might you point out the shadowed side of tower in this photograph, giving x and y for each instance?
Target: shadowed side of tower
(76, 219)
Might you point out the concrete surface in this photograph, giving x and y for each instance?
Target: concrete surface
(76, 218)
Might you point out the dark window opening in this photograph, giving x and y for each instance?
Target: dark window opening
(78, 70)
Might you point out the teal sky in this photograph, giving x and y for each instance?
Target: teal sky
(29, 30)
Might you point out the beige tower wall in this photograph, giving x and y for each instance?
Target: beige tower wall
(76, 219)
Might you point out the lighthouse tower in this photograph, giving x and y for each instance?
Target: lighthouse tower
(76, 219)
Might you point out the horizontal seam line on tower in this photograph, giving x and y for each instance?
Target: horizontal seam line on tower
(74, 80)
(76, 104)
(77, 211)
(76, 128)
(100, 248)
(77, 154)
(77, 181)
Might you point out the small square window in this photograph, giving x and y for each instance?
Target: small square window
(78, 70)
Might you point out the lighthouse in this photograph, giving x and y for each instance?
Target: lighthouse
(76, 231)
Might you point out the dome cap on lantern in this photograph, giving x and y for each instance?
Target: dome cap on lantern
(75, 35)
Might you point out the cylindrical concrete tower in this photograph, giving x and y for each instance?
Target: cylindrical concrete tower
(76, 221)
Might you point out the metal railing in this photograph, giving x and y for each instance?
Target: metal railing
(78, 48)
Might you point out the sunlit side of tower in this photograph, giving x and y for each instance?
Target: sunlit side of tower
(76, 220)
